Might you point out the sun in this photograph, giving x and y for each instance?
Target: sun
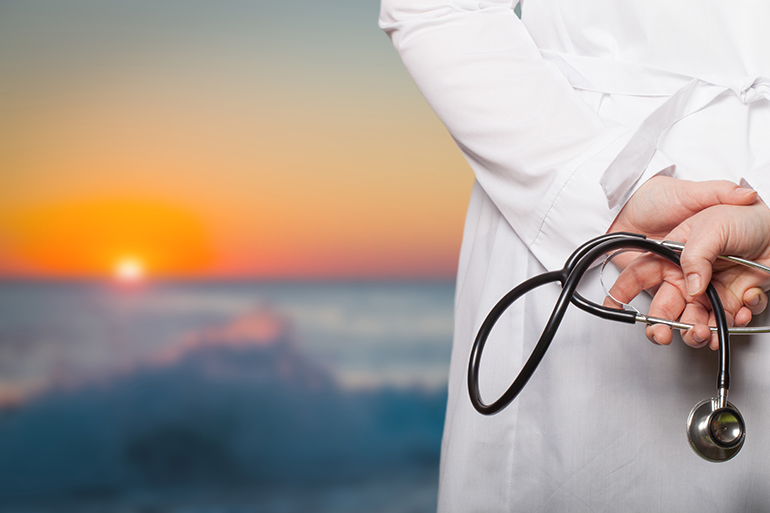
(129, 270)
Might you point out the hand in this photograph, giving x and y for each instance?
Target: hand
(662, 203)
(724, 230)
(721, 229)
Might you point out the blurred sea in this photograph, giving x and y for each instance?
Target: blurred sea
(222, 397)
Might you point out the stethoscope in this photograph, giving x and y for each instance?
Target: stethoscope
(715, 428)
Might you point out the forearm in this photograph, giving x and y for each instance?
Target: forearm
(536, 148)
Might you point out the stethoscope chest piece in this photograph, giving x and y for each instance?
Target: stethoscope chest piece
(715, 434)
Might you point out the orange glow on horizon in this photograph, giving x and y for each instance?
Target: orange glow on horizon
(124, 239)
(87, 238)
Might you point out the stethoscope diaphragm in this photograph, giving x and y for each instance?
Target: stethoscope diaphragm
(715, 433)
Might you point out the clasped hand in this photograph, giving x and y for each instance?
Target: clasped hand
(712, 218)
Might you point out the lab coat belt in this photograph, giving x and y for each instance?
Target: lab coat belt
(686, 95)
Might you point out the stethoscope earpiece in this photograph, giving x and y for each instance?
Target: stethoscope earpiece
(715, 433)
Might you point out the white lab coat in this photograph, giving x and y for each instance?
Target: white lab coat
(562, 115)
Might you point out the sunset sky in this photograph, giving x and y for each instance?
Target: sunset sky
(228, 139)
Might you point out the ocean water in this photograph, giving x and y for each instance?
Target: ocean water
(181, 396)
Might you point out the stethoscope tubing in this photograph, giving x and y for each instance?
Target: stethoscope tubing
(569, 277)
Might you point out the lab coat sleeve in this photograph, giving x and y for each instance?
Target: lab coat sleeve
(536, 148)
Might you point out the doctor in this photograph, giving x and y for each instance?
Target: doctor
(578, 119)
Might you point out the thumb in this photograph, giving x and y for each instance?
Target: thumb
(697, 196)
(704, 242)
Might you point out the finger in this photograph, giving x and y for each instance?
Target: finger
(643, 273)
(700, 195)
(722, 229)
(732, 306)
(659, 334)
(714, 342)
(734, 295)
(755, 300)
(667, 303)
(743, 317)
(700, 251)
(697, 314)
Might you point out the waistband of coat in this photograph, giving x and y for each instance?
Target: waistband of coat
(611, 76)
(686, 95)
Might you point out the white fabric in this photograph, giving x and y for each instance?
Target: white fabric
(562, 115)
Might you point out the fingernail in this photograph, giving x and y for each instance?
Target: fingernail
(693, 284)
(754, 301)
(699, 339)
(655, 340)
(743, 191)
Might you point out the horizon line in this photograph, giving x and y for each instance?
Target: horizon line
(224, 279)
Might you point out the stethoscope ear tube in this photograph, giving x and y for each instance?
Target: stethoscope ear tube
(569, 277)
